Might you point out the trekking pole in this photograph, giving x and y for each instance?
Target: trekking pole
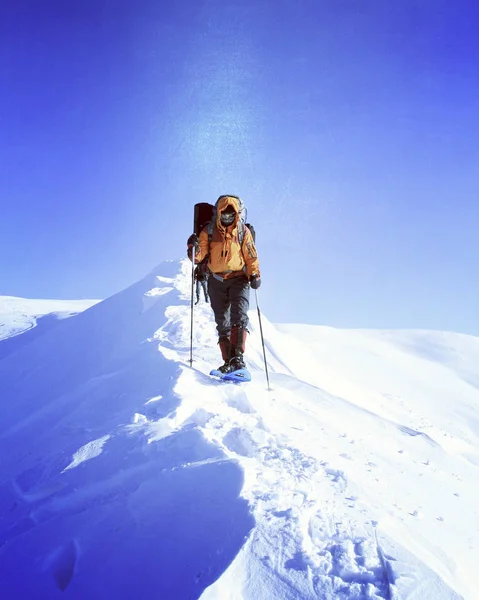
(262, 339)
(191, 306)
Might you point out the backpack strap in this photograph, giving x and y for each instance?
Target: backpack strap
(211, 227)
(241, 231)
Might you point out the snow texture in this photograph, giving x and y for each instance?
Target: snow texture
(127, 474)
(32, 318)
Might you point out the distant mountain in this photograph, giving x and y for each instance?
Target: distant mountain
(127, 474)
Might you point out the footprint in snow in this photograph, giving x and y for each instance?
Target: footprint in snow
(61, 564)
(351, 568)
(337, 477)
(241, 402)
(245, 442)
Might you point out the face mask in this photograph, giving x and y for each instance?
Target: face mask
(227, 218)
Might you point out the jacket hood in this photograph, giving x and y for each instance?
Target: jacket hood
(222, 203)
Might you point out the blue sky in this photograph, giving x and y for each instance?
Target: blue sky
(349, 128)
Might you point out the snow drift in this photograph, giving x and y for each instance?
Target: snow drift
(127, 474)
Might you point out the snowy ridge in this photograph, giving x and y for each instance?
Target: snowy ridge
(353, 478)
(21, 314)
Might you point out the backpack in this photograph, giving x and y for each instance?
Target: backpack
(203, 216)
(241, 221)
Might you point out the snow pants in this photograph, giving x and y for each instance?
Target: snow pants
(230, 302)
(199, 285)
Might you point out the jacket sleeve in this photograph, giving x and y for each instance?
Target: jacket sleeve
(204, 246)
(250, 255)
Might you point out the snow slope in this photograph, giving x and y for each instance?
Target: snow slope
(20, 315)
(127, 474)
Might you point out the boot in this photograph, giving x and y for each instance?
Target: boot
(238, 340)
(237, 362)
(225, 347)
(238, 345)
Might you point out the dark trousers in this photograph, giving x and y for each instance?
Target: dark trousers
(230, 302)
(201, 284)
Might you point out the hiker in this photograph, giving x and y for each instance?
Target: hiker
(233, 267)
(201, 278)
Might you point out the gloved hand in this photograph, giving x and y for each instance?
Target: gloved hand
(193, 245)
(192, 241)
(255, 281)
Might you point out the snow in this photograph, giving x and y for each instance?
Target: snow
(126, 473)
(21, 314)
(87, 452)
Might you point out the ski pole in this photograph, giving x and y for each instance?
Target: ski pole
(262, 339)
(191, 306)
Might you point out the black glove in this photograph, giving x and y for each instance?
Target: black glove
(192, 241)
(255, 281)
(193, 245)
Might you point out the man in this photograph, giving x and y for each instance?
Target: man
(233, 268)
(201, 278)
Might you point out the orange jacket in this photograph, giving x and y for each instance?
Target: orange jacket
(226, 257)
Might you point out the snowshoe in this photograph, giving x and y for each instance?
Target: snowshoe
(233, 370)
(238, 376)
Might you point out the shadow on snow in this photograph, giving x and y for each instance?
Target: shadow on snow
(135, 519)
